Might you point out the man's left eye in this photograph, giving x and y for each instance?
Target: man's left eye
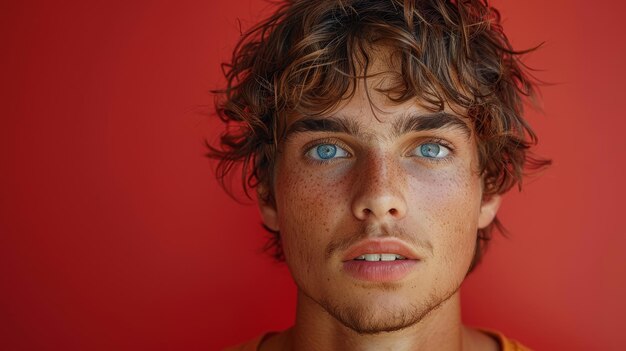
(432, 150)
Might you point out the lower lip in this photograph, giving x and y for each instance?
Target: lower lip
(379, 271)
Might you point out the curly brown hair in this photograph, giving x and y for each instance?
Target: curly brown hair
(307, 57)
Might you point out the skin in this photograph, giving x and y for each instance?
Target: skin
(382, 186)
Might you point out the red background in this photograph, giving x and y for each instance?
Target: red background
(115, 236)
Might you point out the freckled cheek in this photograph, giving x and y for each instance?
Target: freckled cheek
(317, 190)
(308, 203)
(449, 202)
(445, 189)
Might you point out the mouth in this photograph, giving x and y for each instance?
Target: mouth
(380, 260)
(387, 249)
(380, 257)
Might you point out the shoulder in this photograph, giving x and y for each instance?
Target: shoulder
(266, 342)
(250, 345)
(506, 344)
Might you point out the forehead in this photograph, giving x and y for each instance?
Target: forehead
(371, 104)
(370, 114)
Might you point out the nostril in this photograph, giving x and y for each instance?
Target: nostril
(367, 211)
(393, 211)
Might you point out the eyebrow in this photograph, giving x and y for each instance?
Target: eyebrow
(430, 121)
(324, 124)
(405, 124)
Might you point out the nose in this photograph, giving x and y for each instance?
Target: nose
(379, 190)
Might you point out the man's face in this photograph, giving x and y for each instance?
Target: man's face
(353, 184)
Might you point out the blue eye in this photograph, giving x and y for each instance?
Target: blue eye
(433, 150)
(327, 152)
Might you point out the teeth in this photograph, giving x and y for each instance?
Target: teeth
(372, 257)
(380, 257)
(387, 257)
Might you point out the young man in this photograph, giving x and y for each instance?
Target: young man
(379, 136)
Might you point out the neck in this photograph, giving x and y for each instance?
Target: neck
(315, 329)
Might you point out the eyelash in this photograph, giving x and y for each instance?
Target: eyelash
(441, 142)
(308, 147)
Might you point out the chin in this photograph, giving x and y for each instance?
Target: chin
(383, 311)
(375, 314)
(374, 318)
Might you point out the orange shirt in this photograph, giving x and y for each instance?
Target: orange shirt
(506, 344)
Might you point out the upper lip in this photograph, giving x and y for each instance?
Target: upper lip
(380, 246)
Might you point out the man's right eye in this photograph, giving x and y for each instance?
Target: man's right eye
(324, 152)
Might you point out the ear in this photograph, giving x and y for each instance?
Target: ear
(488, 210)
(268, 210)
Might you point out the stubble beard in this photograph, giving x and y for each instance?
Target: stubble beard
(368, 319)
(365, 319)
